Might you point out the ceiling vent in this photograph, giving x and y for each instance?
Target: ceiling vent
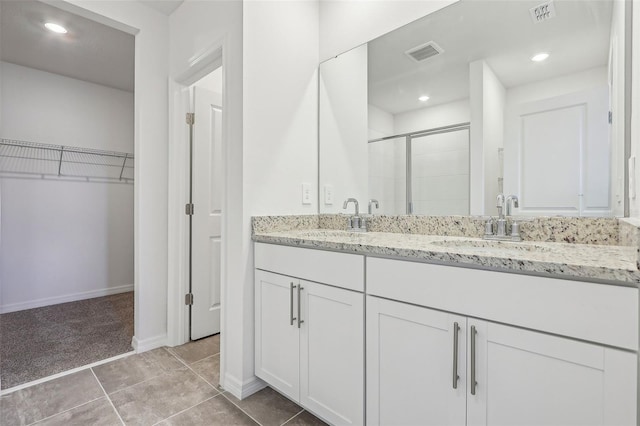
(424, 51)
(543, 12)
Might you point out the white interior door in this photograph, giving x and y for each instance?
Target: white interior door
(557, 155)
(207, 201)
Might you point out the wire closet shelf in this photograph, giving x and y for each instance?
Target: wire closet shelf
(65, 161)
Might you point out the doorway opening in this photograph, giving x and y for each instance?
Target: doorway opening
(197, 266)
(66, 192)
(205, 205)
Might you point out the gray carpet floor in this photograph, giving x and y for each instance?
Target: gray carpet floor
(37, 343)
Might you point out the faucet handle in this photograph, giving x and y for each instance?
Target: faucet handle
(488, 227)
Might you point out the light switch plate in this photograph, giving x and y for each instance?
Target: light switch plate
(328, 195)
(306, 193)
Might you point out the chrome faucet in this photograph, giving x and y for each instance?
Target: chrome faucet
(501, 226)
(374, 202)
(511, 202)
(505, 207)
(356, 223)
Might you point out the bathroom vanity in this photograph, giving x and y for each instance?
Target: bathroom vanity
(386, 328)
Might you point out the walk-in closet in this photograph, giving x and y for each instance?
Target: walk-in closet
(67, 176)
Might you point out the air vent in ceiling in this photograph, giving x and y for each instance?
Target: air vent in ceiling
(424, 51)
(543, 12)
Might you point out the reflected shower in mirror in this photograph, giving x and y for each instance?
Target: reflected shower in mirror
(440, 116)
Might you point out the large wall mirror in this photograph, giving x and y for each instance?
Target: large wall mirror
(482, 97)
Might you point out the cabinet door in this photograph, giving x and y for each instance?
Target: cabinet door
(529, 378)
(277, 337)
(332, 353)
(411, 359)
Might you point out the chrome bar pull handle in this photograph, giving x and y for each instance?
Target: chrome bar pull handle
(300, 321)
(291, 317)
(473, 360)
(456, 329)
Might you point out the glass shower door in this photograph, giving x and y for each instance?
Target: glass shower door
(439, 173)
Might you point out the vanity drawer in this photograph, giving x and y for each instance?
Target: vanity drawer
(327, 267)
(599, 313)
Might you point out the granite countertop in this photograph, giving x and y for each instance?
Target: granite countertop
(599, 263)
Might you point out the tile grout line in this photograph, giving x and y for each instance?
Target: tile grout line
(164, 373)
(107, 396)
(62, 412)
(193, 371)
(241, 409)
(186, 409)
(295, 415)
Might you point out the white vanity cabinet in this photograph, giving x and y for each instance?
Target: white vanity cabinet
(310, 335)
(411, 353)
(521, 376)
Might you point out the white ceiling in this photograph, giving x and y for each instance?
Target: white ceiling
(500, 32)
(166, 7)
(90, 51)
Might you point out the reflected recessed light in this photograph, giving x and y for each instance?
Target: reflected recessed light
(540, 57)
(55, 28)
(423, 98)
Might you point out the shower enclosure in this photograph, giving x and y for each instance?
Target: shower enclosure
(424, 172)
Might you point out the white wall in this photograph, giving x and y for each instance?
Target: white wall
(280, 125)
(42, 107)
(634, 202)
(150, 123)
(488, 98)
(571, 83)
(494, 98)
(431, 117)
(347, 24)
(64, 240)
(343, 134)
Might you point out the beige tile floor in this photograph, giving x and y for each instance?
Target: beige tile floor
(165, 386)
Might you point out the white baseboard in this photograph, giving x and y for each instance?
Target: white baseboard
(148, 344)
(74, 297)
(244, 389)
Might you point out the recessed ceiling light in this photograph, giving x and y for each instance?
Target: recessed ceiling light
(55, 28)
(540, 57)
(423, 98)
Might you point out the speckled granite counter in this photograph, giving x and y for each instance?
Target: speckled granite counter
(591, 262)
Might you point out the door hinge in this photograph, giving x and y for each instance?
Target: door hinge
(191, 119)
(610, 117)
(188, 299)
(188, 209)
